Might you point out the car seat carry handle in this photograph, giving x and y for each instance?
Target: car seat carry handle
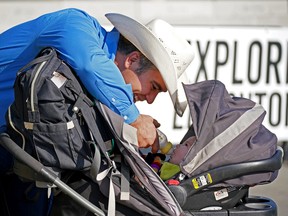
(219, 174)
(232, 171)
(39, 168)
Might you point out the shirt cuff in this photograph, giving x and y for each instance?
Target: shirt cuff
(131, 114)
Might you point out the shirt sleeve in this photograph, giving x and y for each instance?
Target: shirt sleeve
(81, 40)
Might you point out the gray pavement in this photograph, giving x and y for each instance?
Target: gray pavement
(277, 190)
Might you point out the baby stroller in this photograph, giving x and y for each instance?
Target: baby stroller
(209, 184)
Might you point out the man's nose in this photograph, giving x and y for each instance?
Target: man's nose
(151, 97)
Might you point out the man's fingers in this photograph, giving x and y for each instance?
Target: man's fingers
(146, 132)
(155, 146)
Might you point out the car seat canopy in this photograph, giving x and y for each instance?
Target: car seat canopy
(228, 130)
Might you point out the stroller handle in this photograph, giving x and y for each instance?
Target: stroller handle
(39, 168)
(19, 154)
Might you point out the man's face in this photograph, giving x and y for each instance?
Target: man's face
(152, 83)
(145, 86)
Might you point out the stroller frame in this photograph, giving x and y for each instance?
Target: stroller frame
(253, 206)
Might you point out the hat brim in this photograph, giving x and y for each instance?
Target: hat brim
(147, 43)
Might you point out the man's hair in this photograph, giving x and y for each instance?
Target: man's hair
(126, 47)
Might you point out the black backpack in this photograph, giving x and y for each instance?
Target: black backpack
(52, 118)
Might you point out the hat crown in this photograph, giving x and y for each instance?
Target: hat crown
(178, 49)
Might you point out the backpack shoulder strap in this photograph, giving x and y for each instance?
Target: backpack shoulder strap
(45, 55)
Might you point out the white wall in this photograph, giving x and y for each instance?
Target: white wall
(207, 19)
(177, 12)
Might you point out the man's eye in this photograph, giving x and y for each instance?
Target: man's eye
(155, 87)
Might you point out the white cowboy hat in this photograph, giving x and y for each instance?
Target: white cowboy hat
(168, 51)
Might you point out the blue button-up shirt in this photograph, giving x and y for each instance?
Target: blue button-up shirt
(82, 43)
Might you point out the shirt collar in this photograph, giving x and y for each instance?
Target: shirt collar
(111, 40)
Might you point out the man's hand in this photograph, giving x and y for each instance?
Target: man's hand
(146, 132)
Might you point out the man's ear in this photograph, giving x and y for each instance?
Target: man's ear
(132, 58)
(131, 77)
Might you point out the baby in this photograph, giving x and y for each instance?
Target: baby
(181, 150)
(168, 169)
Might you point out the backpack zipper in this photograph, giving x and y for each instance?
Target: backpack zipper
(15, 129)
(33, 84)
